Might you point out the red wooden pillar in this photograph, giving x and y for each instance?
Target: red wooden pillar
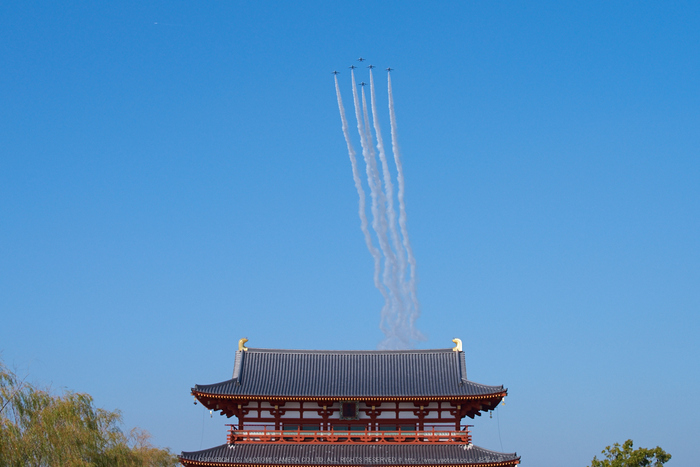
(323, 413)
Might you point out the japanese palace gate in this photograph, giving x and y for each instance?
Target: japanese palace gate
(349, 408)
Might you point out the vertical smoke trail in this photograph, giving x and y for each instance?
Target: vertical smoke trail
(373, 195)
(380, 226)
(400, 275)
(397, 280)
(358, 185)
(415, 313)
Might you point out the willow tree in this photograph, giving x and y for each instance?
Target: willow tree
(38, 428)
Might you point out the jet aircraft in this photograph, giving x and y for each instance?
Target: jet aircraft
(389, 69)
(352, 67)
(360, 59)
(363, 84)
(335, 72)
(371, 66)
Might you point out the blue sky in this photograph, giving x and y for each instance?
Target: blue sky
(173, 177)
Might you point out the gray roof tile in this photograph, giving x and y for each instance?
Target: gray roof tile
(315, 373)
(350, 454)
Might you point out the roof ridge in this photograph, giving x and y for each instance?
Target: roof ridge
(378, 352)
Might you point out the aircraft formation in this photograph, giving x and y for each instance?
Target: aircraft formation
(353, 67)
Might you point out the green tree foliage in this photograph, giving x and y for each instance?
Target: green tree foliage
(624, 456)
(39, 429)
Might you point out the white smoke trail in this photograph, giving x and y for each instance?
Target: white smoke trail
(373, 195)
(380, 226)
(415, 312)
(399, 276)
(396, 281)
(360, 191)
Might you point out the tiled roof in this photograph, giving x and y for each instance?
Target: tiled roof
(348, 454)
(314, 373)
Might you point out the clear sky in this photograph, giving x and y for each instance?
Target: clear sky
(173, 177)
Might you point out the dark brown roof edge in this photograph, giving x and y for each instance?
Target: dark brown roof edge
(502, 393)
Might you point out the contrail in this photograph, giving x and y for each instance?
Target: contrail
(372, 189)
(358, 185)
(415, 312)
(394, 264)
(400, 275)
(379, 222)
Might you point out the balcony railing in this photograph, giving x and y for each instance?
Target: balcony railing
(444, 434)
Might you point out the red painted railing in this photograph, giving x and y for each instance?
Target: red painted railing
(444, 434)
